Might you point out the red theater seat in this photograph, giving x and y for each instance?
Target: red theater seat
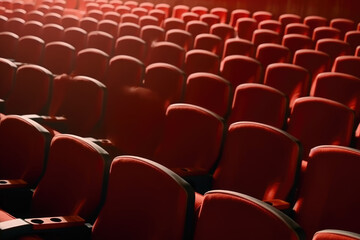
(314, 21)
(30, 49)
(223, 30)
(236, 14)
(333, 47)
(77, 37)
(329, 234)
(298, 28)
(210, 18)
(15, 25)
(343, 24)
(108, 26)
(268, 53)
(167, 52)
(52, 33)
(130, 46)
(148, 20)
(8, 44)
(347, 64)
(242, 217)
(33, 28)
(129, 29)
(178, 10)
(189, 16)
(7, 77)
(173, 23)
(198, 60)
(59, 57)
(197, 27)
(260, 16)
(288, 18)
(265, 36)
(238, 46)
(221, 12)
(102, 41)
(245, 27)
(325, 32)
(259, 103)
(352, 38)
(89, 24)
(209, 42)
(180, 37)
(295, 42)
(273, 25)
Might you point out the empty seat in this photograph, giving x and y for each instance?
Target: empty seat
(200, 10)
(288, 18)
(131, 4)
(209, 91)
(165, 193)
(164, 7)
(245, 27)
(246, 169)
(343, 24)
(239, 69)
(223, 30)
(59, 57)
(290, 79)
(329, 234)
(180, 37)
(30, 49)
(122, 9)
(347, 64)
(107, 7)
(238, 46)
(273, 25)
(77, 37)
(210, 18)
(80, 100)
(54, 18)
(15, 25)
(265, 36)
(129, 18)
(102, 41)
(295, 42)
(298, 28)
(191, 140)
(198, 60)
(268, 53)
(147, 5)
(129, 29)
(70, 21)
(130, 46)
(151, 34)
(167, 81)
(35, 15)
(8, 44)
(333, 47)
(24, 146)
(314, 61)
(148, 20)
(124, 71)
(112, 15)
(325, 32)
(259, 103)
(89, 24)
(197, 27)
(31, 91)
(340, 87)
(260, 16)
(173, 23)
(178, 10)
(159, 14)
(52, 33)
(236, 14)
(317, 121)
(7, 77)
(3, 21)
(352, 38)
(329, 169)
(33, 28)
(108, 26)
(244, 217)
(93, 63)
(96, 14)
(209, 42)
(189, 16)
(314, 21)
(167, 52)
(221, 12)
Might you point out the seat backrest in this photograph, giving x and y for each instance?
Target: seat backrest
(245, 26)
(180, 37)
(77, 37)
(129, 17)
(129, 29)
(102, 41)
(52, 17)
(130, 46)
(353, 38)
(265, 36)
(189, 16)
(93, 63)
(178, 10)
(139, 133)
(173, 23)
(340, 87)
(236, 14)
(314, 21)
(242, 217)
(333, 47)
(318, 121)
(238, 46)
(209, 18)
(108, 26)
(148, 20)
(81, 103)
(80, 167)
(33, 28)
(8, 44)
(295, 42)
(329, 170)
(209, 91)
(290, 79)
(347, 64)
(7, 77)
(288, 18)
(192, 138)
(59, 57)
(270, 24)
(24, 145)
(166, 80)
(343, 24)
(15, 25)
(167, 52)
(325, 32)
(198, 60)
(314, 61)
(268, 53)
(209, 42)
(239, 69)
(221, 12)
(52, 32)
(297, 28)
(260, 16)
(329, 234)
(197, 27)
(30, 49)
(124, 71)
(259, 103)
(158, 202)
(31, 92)
(89, 24)
(70, 20)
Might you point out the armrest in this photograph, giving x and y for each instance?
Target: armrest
(108, 146)
(279, 204)
(29, 226)
(58, 123)
(12, 184)
(199, 179)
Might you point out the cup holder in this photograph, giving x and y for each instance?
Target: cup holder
(55, 220)
(37, 221)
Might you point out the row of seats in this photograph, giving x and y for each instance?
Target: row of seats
(161, 198)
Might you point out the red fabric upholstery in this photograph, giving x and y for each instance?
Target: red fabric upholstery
(347, 64)
(52, 32)
(129, 29)
(33, 28)
(130, 46)
(77, 37)
(30, 49)
(108, 26)
(8, 44)
(209, 42)
(102, 41)
(15, 25)
(198, 60)
(317, 121)
(333, 47)
(79, 167)
(290, 79)
(343, 24)
(297, 41)
(144, 201)
(59, 57)
(209, 18)
(173, 23)
(268, 53)
(196, 27)
(314, 21)
(245, 26)
(192, 138)
(353, 38)
(245, 169)
(167, 81)
(314, 61)
(236, 14)
(331, 234)
(326, 199)
(230, 215)
(7, 79)
(209, 91)
(259, 103)
(31, 92)
(89, 24)
(70, 21)
(297, 28)
(238, 46)
(340, 87)
(325, 32)
(240, 69)
(23, 146)
(167, 52)
(180, 37)
(273, 25)
(265, 36)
